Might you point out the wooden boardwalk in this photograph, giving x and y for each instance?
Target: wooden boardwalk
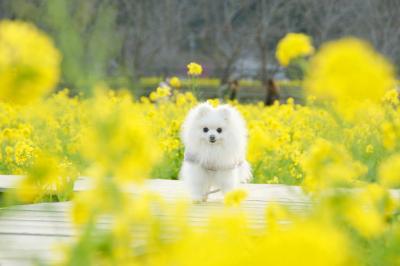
(31, 232)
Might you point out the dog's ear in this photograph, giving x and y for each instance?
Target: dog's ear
(226, 111)
(203, 109)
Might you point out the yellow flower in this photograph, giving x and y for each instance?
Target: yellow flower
(23, 152)
(369, 149)
(367, 221)
(194, 69)
(363, 211)
(274, 214)
(175, 82)
(328, 165)
(81, 208)
(310, 99)
(180, 100)
(29, 62)
(388, 135)
(349, 71)
(163, 91)
(273, 180)
(309, 244)
(144, 100)
(213, 102)
(118, 138)
(190, 97)
(292, 46)
(9, 151)
(290, 101)
(389, 171)
(27, 191)
(46, 176)
(160, 93)
(392, 97)
(235, 197)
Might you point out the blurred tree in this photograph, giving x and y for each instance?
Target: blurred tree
(84, 31)
(118, 41)
(224, 35)
(266, 25)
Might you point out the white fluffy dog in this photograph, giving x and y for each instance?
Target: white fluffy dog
(215, 148)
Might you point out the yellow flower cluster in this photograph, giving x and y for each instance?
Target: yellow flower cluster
(235, 197)
(47, 177)
(46, 133)
(194, 69)
(330, 165)
(349, 72)
(160, 93)
(117, 138)
(389, 171)
(29, 62)
(292, 46)
(175, 82)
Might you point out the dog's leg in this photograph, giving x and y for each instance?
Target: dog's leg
(196, 181)
(199, 190)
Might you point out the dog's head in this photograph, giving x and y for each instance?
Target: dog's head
(211, 126)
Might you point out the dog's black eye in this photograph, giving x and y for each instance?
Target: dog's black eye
(205, 129)
(219, 130)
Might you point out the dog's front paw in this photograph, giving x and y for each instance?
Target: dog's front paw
(200, 199)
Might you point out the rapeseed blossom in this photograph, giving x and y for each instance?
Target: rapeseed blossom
(327, 165)
(349, 72)
(161, 93)
(389, 171)
(235, 197)
(175, 82)
(292, 46)
(29, 62)
(116, 127)
(364, 211)
(194, 69)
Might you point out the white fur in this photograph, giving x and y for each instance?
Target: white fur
(228, 149)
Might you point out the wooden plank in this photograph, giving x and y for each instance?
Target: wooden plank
(62, 227)
(8, 181)
(17, 249)
(263, 192)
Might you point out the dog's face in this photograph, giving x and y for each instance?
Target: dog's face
(213, 126)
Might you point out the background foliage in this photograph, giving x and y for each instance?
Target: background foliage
(121, 41)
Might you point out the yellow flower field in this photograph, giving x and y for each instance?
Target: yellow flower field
(346, 136)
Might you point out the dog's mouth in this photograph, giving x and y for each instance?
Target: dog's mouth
(213, 140)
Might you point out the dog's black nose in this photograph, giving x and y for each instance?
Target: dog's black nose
(212, 138)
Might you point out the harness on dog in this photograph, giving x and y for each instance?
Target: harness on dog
(191, 158)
